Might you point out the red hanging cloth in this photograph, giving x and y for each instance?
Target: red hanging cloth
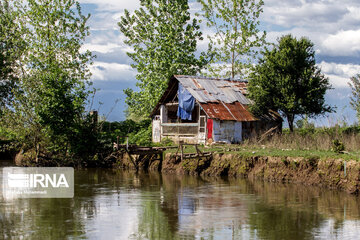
(209, 128)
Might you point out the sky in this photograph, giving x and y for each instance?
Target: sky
(332, 25)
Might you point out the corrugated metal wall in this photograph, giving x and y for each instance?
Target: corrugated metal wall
(227, 131)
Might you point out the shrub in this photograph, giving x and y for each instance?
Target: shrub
(337, 146)
(141, 137)
(137, 132)
(167, 142)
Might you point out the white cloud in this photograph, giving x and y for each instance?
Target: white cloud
(352, 18)
(339, 74)
(343, 43)
(345, 70)
(272, 36)
(195, 7)
(102, 71)
(340, 44)
(101, 48)
(337, 81)
(104, 21)
(332, 25)
(113, 5)
(303, 13)
(109, 46)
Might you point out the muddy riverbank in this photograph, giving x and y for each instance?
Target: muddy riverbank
(330, 173)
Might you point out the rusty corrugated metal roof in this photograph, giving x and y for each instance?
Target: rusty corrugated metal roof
(214, 89)
(220, 98)
(228, 111)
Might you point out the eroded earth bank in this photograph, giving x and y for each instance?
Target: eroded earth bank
(330, 173)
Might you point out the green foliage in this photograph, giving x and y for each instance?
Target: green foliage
(237, 39)
(330, 131)
(355, 91)
(167, 142)
(11, 46)
(137, 132)
(142, 137)
(304, 124)
(337, 146)
(287, 80)
(47, 111)
(112, 130)
(164, 40)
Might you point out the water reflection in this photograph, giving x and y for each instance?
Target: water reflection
(112, 204)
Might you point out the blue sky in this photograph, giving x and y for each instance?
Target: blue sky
(333, 26)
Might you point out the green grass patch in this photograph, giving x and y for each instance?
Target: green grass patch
(272, 152)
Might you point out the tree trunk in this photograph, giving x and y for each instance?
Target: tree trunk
(233, 50)
(290, 119)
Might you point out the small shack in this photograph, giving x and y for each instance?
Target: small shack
(201, 110)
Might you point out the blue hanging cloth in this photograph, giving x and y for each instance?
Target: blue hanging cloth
(186, 103)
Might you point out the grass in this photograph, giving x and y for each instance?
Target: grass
(307, 143)
(321, 154)
(247, 151)
(311, 141)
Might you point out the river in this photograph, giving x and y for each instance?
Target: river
(115, 204)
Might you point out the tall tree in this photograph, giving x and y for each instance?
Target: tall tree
(287, 80)
(53, 76)
(58, 30)
(237, 36)
(355, 91)
(163, 38)
(11, 46)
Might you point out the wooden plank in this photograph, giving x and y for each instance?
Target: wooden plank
(179, 124)
(195, 155)
(144, 152)
(180, 134)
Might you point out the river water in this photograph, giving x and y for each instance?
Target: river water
(114, 204)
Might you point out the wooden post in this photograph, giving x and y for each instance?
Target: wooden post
(198, 158)
(134, 162)
(182, 152)
(176, 154)
(198, 153)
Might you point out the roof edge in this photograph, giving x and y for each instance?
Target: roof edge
(212, 78)
(163, 96)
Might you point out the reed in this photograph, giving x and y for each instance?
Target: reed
(311, 139)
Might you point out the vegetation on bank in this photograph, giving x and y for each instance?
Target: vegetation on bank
(306, 141)
(137, 132)
(263, 151)
(45, 78)
(319, 143)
